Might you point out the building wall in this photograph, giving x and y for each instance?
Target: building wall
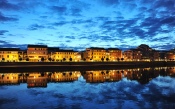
(35, 54)
(128, 55)
(95, 54)
(9, 56)
(115, 55)
(67, 55)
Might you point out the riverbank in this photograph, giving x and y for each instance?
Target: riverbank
(72, 66)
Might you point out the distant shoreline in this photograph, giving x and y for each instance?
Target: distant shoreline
(75, 66)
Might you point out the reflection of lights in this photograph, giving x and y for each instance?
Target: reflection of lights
(34, 76)
(78, 75)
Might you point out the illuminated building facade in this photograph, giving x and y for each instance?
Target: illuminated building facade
(128, 55)
(37, 53)
(9, 54)
(114, 54)
(66, 55)
(132, 55)
(95, 54)
(169, 56)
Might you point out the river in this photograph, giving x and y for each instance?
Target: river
(139, 88)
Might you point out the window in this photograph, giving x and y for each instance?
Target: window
(7, 56)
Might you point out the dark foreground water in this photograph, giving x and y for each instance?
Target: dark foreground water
(141, 88)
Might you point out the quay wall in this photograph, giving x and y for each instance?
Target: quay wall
(70, 66)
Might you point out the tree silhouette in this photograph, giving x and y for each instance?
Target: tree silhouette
(102, 59)
(50, 59)
(70, 59)
(27, 59)
(20, 59)
(3, 59)
(42, 59)
(118, 59)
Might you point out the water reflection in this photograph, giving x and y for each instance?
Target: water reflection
(141, 88)
(40, 79)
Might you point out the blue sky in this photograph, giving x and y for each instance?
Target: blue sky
(79, 24)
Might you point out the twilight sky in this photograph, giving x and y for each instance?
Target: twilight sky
(79, 24)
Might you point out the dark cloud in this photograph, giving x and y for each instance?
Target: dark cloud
(11, 45)
(75, 11)
(109, 2)
(168, 20)
(59, 9)
(164, 46)
(5, 5)
(168, 4)
(4, 18)
(70, 37)
(161, 39)
(3, 31)
(61, 23)
(36, 27)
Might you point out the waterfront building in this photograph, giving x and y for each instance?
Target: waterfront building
(22, 55)
(169, 56)
(95, 54)
(9, 54)
(137, 55)
(114, 54)
(66, 55)
(132, 55)
(51, 51)
(148, 54)
(128, 55)
(155, 55)
(37, 53)
(9, 79)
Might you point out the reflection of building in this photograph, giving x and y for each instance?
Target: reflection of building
(102, 76)
(37, 53)
(9, 78)
(9, 54)
(65, 76)
(36, 80)
(143, 76)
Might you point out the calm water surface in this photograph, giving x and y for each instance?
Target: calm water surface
(141, 88)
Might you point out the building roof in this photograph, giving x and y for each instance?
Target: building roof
(37, 46)
(9, 49)
(113, 49)
(66, 51)
(51, 49)
(96, 48)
